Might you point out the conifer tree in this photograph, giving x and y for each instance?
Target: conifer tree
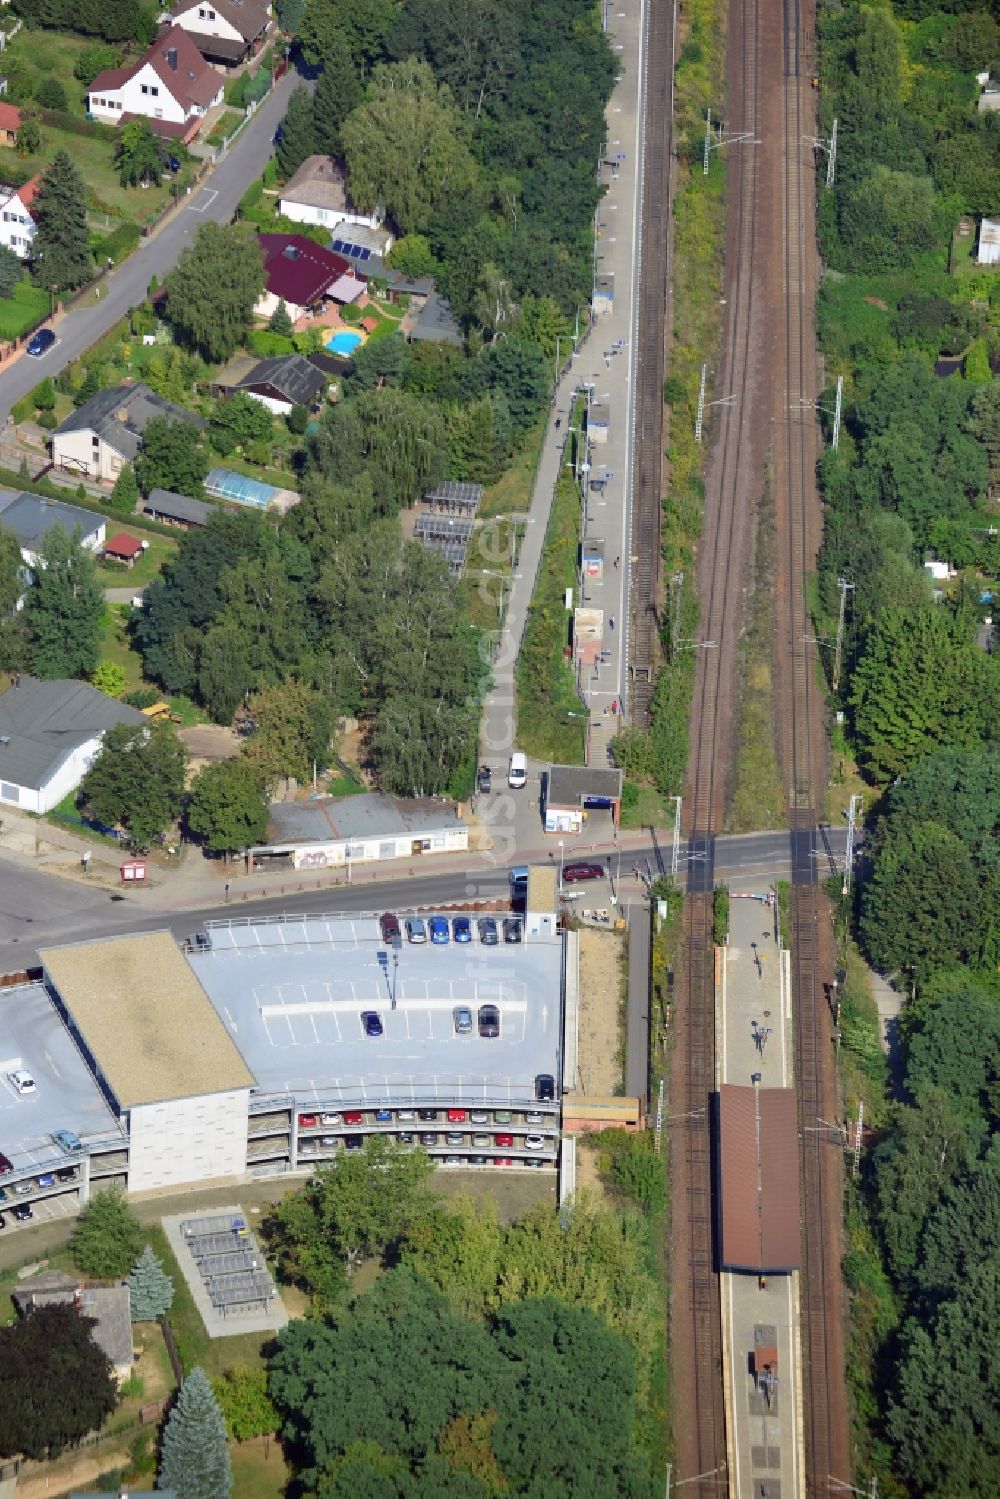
(61, 247)
(194, 1459)
(150, 1287)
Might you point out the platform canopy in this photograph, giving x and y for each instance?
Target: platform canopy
(758, 1179)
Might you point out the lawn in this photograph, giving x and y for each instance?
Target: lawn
(256, 1476)
(224, 126)
(159, 551)
(117, 647)
(511, 494)
(107, 200)
(28, 306)
(50, 54)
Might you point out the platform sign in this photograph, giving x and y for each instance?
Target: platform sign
(133, 872)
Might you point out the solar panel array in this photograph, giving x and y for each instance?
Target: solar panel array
(347, 247)
(229, 1261)
(447, 535)
(455, 494)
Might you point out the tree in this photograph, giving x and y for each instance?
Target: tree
(29, 136)
(298, 137)
(212, 291)
(50, 94)
(381, 361)
(404, 146)
(227, 807)
(246, 1407)
(63, 609)
(61, 246)
(412, 255)
(57, 1383)
(151, 1291)
(887, 219)
(108, 677)
(293, 729)
(297, 420)
(338, 91)
(137, 780)
(107, 1239)
(243, 419)
(920, 685)
(93, 59)
(12, 271)
(921, 906)
(138, 153)
(125, 495)
(279, 321)
(194, 1457)
(171, 457)
(357, 1208)
(44, 395)
(959, 790)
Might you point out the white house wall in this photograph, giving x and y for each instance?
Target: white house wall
(185, 1140)
(308, 213)
(64, 779)
(17, 227)
(205, 20)
(76, 451)
(452, 839)
(278, 408)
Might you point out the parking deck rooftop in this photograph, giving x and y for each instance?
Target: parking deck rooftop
(65, 1097)
(291, 993)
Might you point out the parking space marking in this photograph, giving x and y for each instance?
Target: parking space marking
(209, 195)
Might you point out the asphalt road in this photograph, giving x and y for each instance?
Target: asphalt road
(39, 910)
(216, 198)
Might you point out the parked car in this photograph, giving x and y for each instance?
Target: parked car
(66, 1174)
(406, 1113)
(428, 1139)
(41, 343)
(22, 1188)
(439, 930)
(453, 1160)
(405, 1137)
(372, 1022)
(480, 1140)
(354, 1142)
(534, 1117)
(511, 929)
(455, 1137)
(461, 929)
(67, 1140)
(582, 869)
(3, 1221)
(545, 1087)
(463, 1020)
(390, 929)
(457, 1116)
(427, 1113)
(173, 164)
(22, 1212)
(533, 1161)
(489, 1020)
(487, 931)
(308, 1121)
(534, 1142)
(415, 929)
(502, 1160)
(503, 1139)
(354, 1116)
(329, 1118)
(484, 779)
(21, 1081)
(501, 1116)
(328, 1142)
(382, 1116)
(479, 1116)
(307, 1147)
(477, 1160)
(6, 1164)
(47, 1179)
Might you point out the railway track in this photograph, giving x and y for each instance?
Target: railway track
(645, 562)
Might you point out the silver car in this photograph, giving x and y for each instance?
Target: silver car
(463, 1020)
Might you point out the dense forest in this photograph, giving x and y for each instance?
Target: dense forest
(913, 326)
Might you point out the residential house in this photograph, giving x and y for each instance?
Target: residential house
(109, 1307)
(284, 381)
(105, 433)
(177, 510)
(317, 194)
(226, 32)
(436, 323)
(50, 733)
(30, 516)
(171, 85)
(17, 226)
(301, 274)
(10, 123)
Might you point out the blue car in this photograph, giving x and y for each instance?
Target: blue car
(461, 929)
(383, 1116)
(41, 343)
(47, 1179)
(439, 930)
(372, 1022)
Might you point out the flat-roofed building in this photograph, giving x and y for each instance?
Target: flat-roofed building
(573, 792)
(160, 1053)
(334, 832)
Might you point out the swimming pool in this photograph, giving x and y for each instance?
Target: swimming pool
(344, 342)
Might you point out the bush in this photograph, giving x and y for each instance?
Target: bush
(298, 420)
(117, 245)
(51, 94)
(142, 697)
(22, 409)
(43, 397)
(48, 420)
(77, 126)
(263, 344)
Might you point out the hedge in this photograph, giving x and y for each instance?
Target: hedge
(65, 121)
(264, 343)
(117, 245)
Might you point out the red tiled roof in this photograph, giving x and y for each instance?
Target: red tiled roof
(123, 545)
(28, 192)
(192, 81)
(297, 269)
(10, 117)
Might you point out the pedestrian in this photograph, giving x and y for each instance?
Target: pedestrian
(614, 706)
(618, 561)
(611, 622)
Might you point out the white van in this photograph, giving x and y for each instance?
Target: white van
(517, 771)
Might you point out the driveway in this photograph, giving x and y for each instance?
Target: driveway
(215, 198)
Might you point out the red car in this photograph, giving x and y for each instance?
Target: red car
(503, 1139)
(457, 1116)
(502, 1160)
(354, 1116)
(581, 870)
(308, 1121)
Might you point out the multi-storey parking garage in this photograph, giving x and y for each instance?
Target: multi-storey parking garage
(270, 1047)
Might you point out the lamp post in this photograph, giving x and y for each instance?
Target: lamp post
(561, 847)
